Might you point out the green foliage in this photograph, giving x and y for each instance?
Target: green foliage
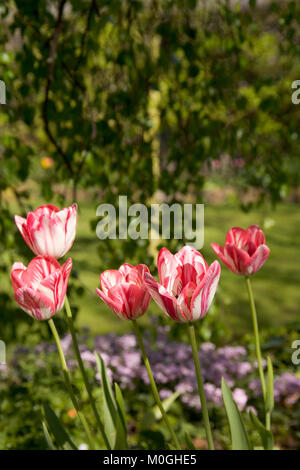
(266, 436)
(57, 429)
(113, 410)
(239, 437)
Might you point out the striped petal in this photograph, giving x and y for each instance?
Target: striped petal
(137, 299)
(193, 264)
(115, 304)
(164, 299)
(258, 259)
(237, 258)
(256, 235)
(169, 271)
(35, 304)
(205, 292)
(237, 236)
(110, 278)
(21, 223)
(185, 298)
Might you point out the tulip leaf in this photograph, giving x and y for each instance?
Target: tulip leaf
(121, 431)
(167, 403)
(57, 429)
(189, 442)
(265, 435)
(270, 388)
(47, 436)
(239, 437)
(109, 403)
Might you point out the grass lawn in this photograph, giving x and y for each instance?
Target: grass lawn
(276, 286)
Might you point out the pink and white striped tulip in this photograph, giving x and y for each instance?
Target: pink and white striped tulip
(49, 231)
(245, 251)
(40, 288)
(123, 290)
(187, 285)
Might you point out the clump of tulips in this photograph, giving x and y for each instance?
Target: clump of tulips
(185, 291)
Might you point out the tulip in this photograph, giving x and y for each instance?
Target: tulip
(185, 293)
(245, 251)
(124, 291)
(40, 288)
(49, 231)
(187, 285)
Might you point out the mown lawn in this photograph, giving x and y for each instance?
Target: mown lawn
(276, 286)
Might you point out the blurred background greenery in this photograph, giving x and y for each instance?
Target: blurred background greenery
(162, 101)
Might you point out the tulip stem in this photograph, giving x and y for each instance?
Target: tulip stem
(257, 347)
(68, 382)
(193, 341)
(153, 384)
(83, 372)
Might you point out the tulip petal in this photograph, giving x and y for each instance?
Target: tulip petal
(114, 303)
(258, 259)
(68, 222)
(205, 292)
(39, 268)
(21, 223)
(193, 264)
(256, 235)
(125, 269)
(164, 299)
(136, 300)
(16, 275)
(219, 250)
(184, 300)
(169, 271)
(142, 269)
(35, 304)
(237, 258)
(110, 278)
(237, 236)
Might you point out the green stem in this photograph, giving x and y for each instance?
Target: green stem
(192, 336)
(83, 372)
(257, 348)
(153, 384)
(68, 382)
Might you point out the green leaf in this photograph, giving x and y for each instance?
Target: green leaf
(167, 403)
(47, 436)
(57, 429)
(189, 442)
(121, 431)
(109, 403)
(270, 388)
(266, 436)
(239, 437)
